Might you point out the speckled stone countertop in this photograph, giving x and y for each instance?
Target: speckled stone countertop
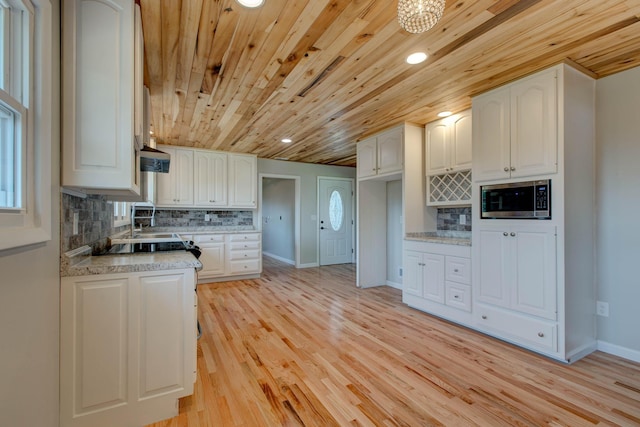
(80, 262)
(460, 238)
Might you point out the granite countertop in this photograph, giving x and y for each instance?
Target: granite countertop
(460, 238)
(80, 262)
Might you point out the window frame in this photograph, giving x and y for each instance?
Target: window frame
(121, 214)
(31, 224)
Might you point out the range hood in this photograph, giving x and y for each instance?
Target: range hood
(153, 160)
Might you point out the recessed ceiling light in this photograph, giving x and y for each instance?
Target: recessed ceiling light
(445, 114)
(251, 3)
(416, 58)
(286, 140)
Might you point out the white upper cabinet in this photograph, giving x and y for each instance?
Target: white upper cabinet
(176, 187)
(100, 76)
(515, 129)
(449, 144)
(382, 154)
(210, 178)
(243, 182)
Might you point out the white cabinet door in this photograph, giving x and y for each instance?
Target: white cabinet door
(412, 273)
(534, 275)
(534, 113)
(127, 347)
(492, 263)
(491, 135)
(390, 151)
(213, 260)
(176, 187)
(460, 146)
(438, 160)
(243, 181)
(515, 129)
(210, 179)
(433, 277)
(517, 268)
(367, 158)
(449, 144)
(98, 148)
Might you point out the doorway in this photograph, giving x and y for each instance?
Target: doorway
(335, 215)
(279, 215)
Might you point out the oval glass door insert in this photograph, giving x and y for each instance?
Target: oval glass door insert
(336, 211)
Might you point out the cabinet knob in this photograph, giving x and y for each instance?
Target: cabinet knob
(455, 270)
(513, 168)
(513, 234)
(505, 234)
(456, 296)
(484, 317)
(540, 334)
(506, 169)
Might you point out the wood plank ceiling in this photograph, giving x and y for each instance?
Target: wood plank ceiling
(328, 73)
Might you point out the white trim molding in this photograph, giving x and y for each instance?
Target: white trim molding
(617, 350)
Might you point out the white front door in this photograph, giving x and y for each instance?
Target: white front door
(335, 220)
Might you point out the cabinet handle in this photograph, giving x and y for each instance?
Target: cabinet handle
(505, 234)
(506, 169)
(456, 296)
(455, 270)
(513, 234)
(484, 317)
(512, 168)
(540, 334)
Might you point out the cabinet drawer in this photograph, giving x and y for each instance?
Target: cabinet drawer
(244, 237)
(248, 254)
(208, 238)
(244, 245)
(458, 296)
(458, 270)
(519, 328)
(244, 266)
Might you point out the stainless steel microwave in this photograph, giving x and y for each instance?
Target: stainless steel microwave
(516, 200)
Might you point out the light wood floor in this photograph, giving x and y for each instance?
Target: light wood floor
(306, 347)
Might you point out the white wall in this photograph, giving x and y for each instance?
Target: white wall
(308, 174)
(29, 315)
(278, 218)
(394, 231)
(618, 206)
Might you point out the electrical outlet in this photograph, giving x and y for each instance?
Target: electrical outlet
(602, 308)
(463, 219)
(207, 217)
(400, 271)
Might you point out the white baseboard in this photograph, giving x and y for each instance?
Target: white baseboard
(394, 284)
(279, 258)
(616, 350)
(310, 265)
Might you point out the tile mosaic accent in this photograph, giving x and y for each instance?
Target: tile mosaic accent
(449, 219)
(195, 218)
(95, 223)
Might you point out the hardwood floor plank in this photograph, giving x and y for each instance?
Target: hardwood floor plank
(307, 348)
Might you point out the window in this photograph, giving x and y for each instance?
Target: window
(336, 210)
(27, 46)
(121, 214)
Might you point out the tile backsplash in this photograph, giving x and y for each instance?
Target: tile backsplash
(95, 222)
(449, 219)
(196, 218)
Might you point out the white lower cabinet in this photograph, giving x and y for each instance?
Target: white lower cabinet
(227, 255)
(244, 254)
(516, 289)
(437, 279)
(127, 347)
(212, 248)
